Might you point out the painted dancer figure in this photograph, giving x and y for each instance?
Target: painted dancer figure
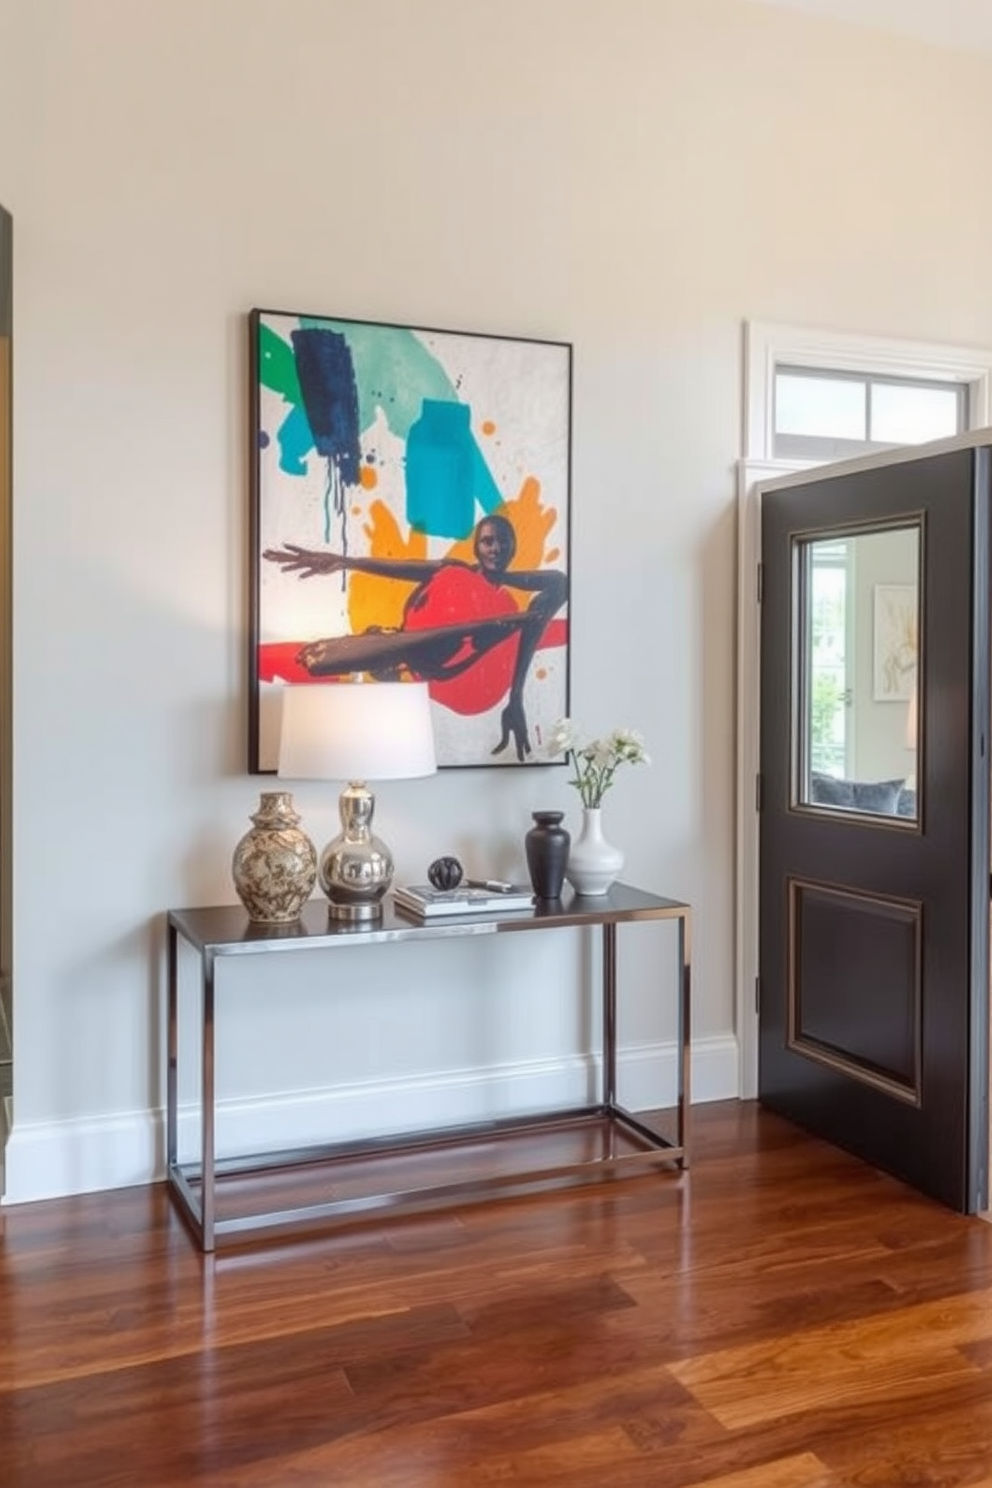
(461, 619)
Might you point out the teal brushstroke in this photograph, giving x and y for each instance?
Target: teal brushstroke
(439, 470)
(295, 442)
(445, 471)
(277, 370)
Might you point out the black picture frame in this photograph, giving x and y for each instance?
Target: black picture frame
(411, 517)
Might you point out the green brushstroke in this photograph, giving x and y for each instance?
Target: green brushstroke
(277, 365)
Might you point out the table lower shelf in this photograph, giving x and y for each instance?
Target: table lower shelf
(362, 1179)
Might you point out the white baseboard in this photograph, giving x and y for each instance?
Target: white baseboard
(53, 1159)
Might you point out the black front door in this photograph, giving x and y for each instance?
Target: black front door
(874, 792)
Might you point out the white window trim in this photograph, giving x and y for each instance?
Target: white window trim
(767, 345)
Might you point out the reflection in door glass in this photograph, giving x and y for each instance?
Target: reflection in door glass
(858, 643)
(828, 648)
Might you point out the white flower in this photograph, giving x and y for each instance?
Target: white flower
(596, 762)
(629, 745)
(562, 738)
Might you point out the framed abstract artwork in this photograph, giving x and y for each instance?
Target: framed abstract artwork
(410, 518)
(894, 643)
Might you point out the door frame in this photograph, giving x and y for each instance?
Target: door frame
(754, 477)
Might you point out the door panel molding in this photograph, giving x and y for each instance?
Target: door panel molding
(860, 929)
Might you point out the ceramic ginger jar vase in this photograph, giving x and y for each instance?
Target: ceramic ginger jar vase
(275, 864)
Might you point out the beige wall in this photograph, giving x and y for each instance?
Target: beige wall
(637, 177)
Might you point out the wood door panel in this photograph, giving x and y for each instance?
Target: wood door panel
(854, 984)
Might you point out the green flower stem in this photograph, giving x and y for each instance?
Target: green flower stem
(592, 783)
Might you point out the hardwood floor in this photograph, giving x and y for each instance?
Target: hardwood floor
(780, 1317)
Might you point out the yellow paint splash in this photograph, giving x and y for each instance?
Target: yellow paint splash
(372, 599)
(532, 522)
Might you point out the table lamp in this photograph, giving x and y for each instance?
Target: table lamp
(356, 731)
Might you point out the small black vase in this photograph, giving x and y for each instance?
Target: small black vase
(547, 845)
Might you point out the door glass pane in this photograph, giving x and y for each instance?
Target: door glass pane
(911, 415)
(830, 407)
(858, 649)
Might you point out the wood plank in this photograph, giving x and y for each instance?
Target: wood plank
(802, 1471)
(896, 1355)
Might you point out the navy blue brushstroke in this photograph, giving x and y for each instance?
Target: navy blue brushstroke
(330, 396)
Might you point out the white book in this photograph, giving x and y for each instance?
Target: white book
(428, 903)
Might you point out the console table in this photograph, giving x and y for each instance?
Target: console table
(615, 1137)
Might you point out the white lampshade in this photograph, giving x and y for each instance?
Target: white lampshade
(356, 731)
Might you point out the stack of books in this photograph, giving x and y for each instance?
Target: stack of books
(428, 903)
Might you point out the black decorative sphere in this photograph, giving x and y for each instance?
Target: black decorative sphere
(445, 873)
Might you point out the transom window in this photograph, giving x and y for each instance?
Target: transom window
(824, 414)
(815, 396)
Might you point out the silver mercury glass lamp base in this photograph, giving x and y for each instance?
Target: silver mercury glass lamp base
(356, 868)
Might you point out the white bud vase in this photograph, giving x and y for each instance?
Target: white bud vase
(593, 863)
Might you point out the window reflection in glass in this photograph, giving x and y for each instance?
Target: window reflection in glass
(858, 731)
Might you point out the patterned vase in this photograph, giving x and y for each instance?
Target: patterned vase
(593, 863)
(546, 845)
(275, 864)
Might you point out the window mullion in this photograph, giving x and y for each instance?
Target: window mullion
(868, 393)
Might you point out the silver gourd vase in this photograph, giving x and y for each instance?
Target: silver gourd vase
(275, 863)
